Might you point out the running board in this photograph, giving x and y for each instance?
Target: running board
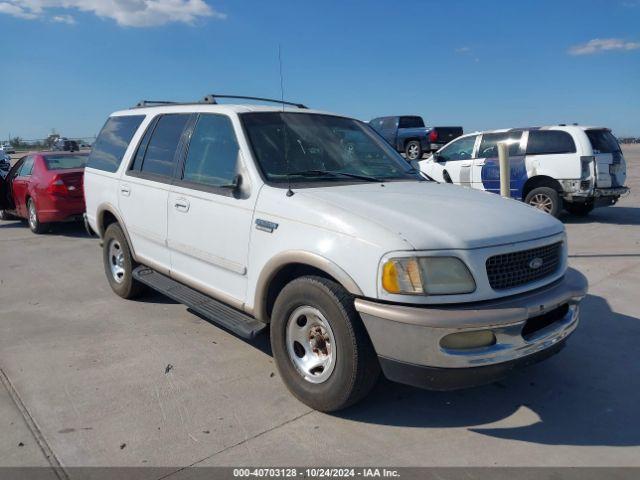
(238, 322)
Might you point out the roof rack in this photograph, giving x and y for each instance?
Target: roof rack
(153, 103)
(212, 100)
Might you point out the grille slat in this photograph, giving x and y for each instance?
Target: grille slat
(511, 270)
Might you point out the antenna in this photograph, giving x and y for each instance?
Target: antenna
(284, 127)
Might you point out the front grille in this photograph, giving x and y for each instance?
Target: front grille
(518, 268)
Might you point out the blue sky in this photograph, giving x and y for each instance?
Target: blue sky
(481, 65)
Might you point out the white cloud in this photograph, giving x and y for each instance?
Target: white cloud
(68, 19)
(463, 50)
(601, 45)
(128, 13)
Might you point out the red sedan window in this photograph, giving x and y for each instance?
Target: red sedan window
(65, 162)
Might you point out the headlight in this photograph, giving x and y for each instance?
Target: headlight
(427, 275)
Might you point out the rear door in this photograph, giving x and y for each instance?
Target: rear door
(144, 189)
(486, 166)
(611, 168)
(552, 153)
(209, 222)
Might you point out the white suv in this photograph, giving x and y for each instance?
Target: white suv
(311, 223)
(570, 166)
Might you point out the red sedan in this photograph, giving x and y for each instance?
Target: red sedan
(44, 187)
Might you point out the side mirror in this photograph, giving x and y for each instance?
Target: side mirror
(234, 185)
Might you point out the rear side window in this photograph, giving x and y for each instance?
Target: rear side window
(549, 141)
(160, 157)
(489, 144)
(26, 168)
(113, 141)
(213, 152)
(411, 122)
(65, 162)
(603, 141)
(388, 123)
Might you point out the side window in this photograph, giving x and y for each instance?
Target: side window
(376, 123)
(26, 168)
(142, 147)
(160, 157)
(112, 142)
(411, 122)
(213, 152)
(489, 144)
(461, 149)
(389, 123)
(549, 141)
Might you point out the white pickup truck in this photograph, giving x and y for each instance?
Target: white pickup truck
(311, 223)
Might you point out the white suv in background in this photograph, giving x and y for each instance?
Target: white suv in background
(312, 223)
(570, 166)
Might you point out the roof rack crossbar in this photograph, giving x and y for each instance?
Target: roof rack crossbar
(151, 103)
(212, 99)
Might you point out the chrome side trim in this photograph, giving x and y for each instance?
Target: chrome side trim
(207, 257)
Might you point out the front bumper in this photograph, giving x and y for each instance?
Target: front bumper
(407, 338)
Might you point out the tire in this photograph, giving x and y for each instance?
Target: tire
(33, 221)
(4, 215)
(350, 368)
(413, 150)
(119, 264)
(579, 209)
(546, 199)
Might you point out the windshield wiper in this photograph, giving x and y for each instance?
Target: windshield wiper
(322, 173)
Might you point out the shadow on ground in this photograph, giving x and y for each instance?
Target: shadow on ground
(606, 215)
(586, 395)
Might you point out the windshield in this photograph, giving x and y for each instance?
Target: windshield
(603, 141)
(65, 162)
(308, 147)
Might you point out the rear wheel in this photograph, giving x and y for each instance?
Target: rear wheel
(413, 150)
(320, 345)
(4, 215)
(579, 209)
(34, 222)
(119, 264)
(545, 199)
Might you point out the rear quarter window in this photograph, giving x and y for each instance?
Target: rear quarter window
(543, 142)
(603, 141)
(113, 141)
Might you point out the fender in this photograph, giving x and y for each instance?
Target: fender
(276, 263)
(107, 207)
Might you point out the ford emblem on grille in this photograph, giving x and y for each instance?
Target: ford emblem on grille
(535, 263)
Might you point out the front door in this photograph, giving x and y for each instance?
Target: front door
(143, 191)
(20, 185)
(452, 164)
(6, 186)
(486, 166)
(210, 215)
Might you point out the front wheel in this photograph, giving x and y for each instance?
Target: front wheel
(579, 209)
(545, 199)
(35, 224)
(413, 150)
(320, 346)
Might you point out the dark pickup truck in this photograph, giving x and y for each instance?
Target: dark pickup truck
(408, 134)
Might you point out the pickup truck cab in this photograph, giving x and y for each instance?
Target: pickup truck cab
(563, 166)
(408, 134)
(311, 223)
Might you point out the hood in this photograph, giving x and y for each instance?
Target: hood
(429, 215)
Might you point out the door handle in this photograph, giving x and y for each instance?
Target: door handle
(466, 164)
(181, 204)
(125, 190)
